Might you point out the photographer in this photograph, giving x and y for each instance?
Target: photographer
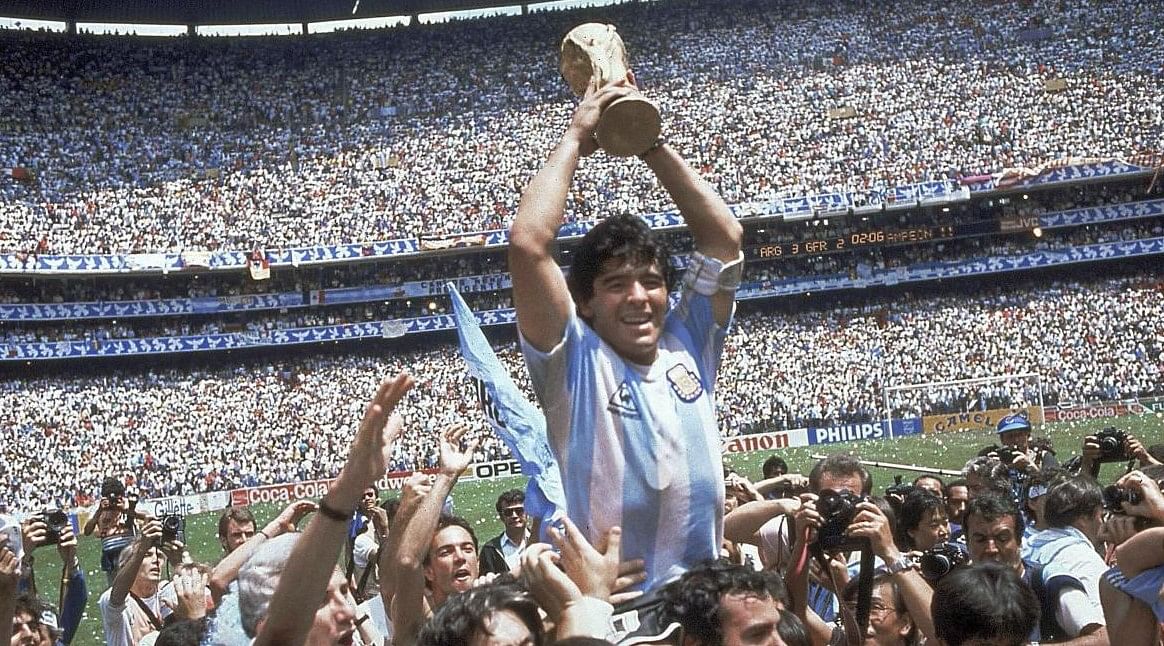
(1014, 432)
(767, 524)
(114, 523)
(1131, 590)
(901, 580)
(1112, 445)
(132, 607)
(53, 528)
(1067, 549)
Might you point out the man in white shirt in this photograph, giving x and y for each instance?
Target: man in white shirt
(1066, 549)
(132, 607)
(503, 552)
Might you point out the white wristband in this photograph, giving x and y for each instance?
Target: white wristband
(707, 276)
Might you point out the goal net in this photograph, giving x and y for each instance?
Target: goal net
(965, 404)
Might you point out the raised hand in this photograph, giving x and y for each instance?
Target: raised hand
(381, 426)
(34, 533)
(589, 110)
(67, 546)
(288, 520)
(190, 594)
(453, 458)
(872, 523)
(9, 571)
(415, 488)
(1151, 503)
(593, 569)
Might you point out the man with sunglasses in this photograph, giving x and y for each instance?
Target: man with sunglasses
(503, 552)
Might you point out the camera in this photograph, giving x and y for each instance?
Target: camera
(173, 528)
(937, 561)
(1114, 497)
(898, 489)
(1007, 454)
(56, 522)
(837, 510)
(1112, 445)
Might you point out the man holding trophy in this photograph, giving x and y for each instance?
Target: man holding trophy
(625, 381)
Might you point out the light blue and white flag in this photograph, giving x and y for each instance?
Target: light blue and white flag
(515, 420)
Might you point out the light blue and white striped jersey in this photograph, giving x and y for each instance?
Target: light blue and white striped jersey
(639, 446)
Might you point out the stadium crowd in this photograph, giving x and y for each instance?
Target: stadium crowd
(854, 264)
(259, 143)
(1017, 550)
(183, 432)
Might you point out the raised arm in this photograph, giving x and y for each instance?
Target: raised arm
(312, 561)
(151, 535)
(716, 231)
(540, 295)
(872, 523)
(407, 567)
(742, 524)
(412, 495)
(91, 524)
(227, 569)
(9, 578)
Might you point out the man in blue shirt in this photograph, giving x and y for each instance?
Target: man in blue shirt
(626, 381)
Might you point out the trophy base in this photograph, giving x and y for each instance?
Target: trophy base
(628, 126)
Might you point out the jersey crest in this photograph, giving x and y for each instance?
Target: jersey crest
(684, 382)
(623, 403)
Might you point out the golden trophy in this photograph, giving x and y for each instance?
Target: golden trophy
(629, 125)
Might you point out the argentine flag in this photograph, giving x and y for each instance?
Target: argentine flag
(515, 420)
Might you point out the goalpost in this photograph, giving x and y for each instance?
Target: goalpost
(964, 397)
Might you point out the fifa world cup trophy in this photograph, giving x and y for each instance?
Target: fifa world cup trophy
(628, 126)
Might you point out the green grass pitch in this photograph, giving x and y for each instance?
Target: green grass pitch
(475, 500)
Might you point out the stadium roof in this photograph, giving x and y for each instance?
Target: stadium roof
(208, 12)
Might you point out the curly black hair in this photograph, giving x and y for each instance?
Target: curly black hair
(694, 599)
(622, 236)
(464, 616)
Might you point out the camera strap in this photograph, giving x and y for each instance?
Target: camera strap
(153, 617)
(854, 624)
